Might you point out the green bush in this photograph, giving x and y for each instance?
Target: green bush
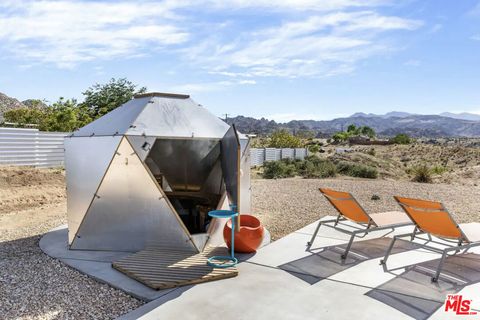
(310, 167)
(314, 148)
(422, 174)
(314, 167)
(439, 170)
(401, 139)
(278, 169)
(357, 170)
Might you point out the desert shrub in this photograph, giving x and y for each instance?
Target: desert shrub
(314, 148)
(284, 139)
(278, 169)
(438, 170)
(340, 136)
(422, 173)
(357, 170)
(315, 167)
(401, 139)
(371, 152)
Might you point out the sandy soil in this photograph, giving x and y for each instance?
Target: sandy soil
(24, 188)
(33, 285)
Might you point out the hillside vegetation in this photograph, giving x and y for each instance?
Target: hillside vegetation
(446, 164)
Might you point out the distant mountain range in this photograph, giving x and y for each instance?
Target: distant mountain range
(399, 114)
(443, 125)
(390, 124)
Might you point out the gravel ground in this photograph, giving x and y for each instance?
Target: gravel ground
(286, 205)
(33, 285)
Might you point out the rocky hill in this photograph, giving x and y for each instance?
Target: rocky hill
(415, 125)
(7, 103)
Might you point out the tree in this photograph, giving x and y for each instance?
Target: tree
(401, 138)
(103, 98)
(369, 132)
(283, 139)
(65, 115)
(340, 136)
(24, 116)
(352, 129)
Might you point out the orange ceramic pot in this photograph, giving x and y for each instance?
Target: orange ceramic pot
(250, 236)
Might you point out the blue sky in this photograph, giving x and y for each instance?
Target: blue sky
(284, 60)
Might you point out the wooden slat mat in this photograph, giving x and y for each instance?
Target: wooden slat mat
(162, 268)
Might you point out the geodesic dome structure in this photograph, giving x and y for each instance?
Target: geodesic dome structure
(147, 173)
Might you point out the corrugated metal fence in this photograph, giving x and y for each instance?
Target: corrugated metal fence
(259, 155)
(31, 147)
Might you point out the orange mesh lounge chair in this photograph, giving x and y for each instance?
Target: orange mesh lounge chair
(349, 209)
(432, 218)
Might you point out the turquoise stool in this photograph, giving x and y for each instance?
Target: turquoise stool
(233, 261)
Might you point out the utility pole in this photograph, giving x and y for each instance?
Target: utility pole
(226, 116)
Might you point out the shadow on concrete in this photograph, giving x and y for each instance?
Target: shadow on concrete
(328, 262)
(413, 292)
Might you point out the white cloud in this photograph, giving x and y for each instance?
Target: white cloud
(412, 63)
(320, 45)
(68, 32)
(298, 37)
(297, 5)
(209, 86)
(475, 37)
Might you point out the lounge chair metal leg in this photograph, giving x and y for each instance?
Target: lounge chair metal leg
(440, 265)
(459, 245)
(413, 234)
(349, 245)
(389, 250)
(309, 243)
(337, 220)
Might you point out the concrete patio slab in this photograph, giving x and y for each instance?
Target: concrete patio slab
(264, 290)
(96, 264)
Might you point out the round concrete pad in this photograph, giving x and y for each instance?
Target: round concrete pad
(96, 264)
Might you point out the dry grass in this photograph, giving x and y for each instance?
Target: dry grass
(459, 165)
